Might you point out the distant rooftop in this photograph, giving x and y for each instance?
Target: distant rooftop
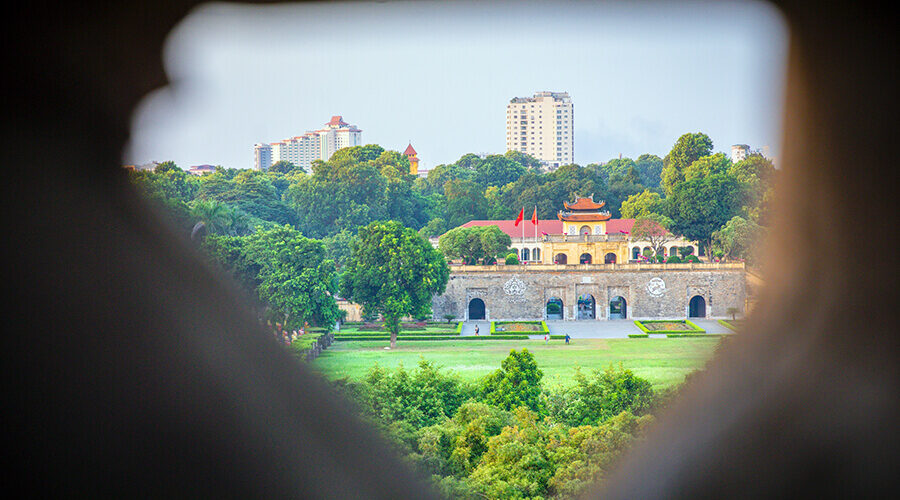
(540, 96)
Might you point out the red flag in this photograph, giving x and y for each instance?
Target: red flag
(533, 216)
(521, 216)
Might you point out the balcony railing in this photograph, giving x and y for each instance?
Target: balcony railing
(571, 238)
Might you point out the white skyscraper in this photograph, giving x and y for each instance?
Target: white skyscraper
(302, 150)
(542, 126)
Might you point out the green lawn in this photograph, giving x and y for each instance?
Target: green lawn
(664, 362)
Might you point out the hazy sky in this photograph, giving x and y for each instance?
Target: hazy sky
(440, 74)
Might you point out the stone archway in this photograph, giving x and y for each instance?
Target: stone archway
(476, 309)
(635, 253)
(585, 231)
(697, 307)
(610, 258)
(618, 308)
(560, 258)
(555, 308)
(585, 258)
(587, 307)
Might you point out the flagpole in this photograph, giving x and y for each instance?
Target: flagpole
(523, 227)
(536, 221)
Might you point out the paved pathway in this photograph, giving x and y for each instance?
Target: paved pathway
(588, 329)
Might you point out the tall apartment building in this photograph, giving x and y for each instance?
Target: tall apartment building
(302, 150)
(542, 126)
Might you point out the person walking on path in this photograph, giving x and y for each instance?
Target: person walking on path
(567, 339)
(476, 329)
(546, 339)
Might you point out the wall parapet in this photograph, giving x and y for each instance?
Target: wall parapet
(630, 267)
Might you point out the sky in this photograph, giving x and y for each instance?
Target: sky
(440, 74)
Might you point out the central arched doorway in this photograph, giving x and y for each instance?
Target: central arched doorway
(586, 307)
(618, 308)
(585, 231)
(610, 258)
(697, 307)
(476, 309)
(555, 308)
(560, 258)
(585, 258)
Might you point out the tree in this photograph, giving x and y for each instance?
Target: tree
(285, 167)
(516, 383)
(653, 228)
(215, 216)
(295, 279)
(701, 206)
(641, 205)
(650, 169)
(687, 149)
(465, 201)
(708, 165)
(393, 271)
(739, 238)
(526, 160)
(473, 244)
(498, 170)
(601, 396)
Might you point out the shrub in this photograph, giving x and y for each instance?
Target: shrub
(660, 259)
(601, 396)
(512, 260)
(516, 383)
(692, 259)
(673, 259)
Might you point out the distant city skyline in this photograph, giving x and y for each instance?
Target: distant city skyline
(440, 76)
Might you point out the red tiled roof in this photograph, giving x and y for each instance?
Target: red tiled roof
(337, 120)
(614, 226)
(410, 151)
(584, 217)
(509, 226)
(584, 204)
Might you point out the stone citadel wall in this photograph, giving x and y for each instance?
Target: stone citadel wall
(650, 291)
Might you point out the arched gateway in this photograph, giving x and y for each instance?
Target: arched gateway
(697, 307)
(618, 308)
(476, 309)
(555, 308)
(587, 307)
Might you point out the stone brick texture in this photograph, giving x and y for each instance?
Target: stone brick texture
(523, 295)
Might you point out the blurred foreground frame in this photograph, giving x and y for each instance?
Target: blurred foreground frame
(128, 371)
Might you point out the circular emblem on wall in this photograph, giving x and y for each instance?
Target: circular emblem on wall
(514, 286)
(656, 287)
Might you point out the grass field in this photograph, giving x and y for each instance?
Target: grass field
(664, 362)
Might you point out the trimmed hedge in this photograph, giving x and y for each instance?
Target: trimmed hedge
(348, 338)
(727, 325)
(679, 335)
(438, 333)
(696, 329)
(638, 336)
(544, 329)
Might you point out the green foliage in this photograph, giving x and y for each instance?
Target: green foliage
(393, 271)
(650, 168)
(641, 205)
(474, 244)
(422, 397)
(455, 446)
(687, 149)
(708, 165)
(693, 259)
(516, 383)
(295, 279)
(603, 395)
(701, 206)
(739, 238)
(674, 259)
(512, 260)
(285, 167)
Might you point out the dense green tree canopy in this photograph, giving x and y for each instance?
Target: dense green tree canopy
(516, 383)
(474, 244)
(700, 207)
(641, 204)
(687, 149)
(394, 272)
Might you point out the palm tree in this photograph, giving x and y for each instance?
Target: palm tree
(215, 216)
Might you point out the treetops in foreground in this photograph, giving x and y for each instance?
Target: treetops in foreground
(507, 436)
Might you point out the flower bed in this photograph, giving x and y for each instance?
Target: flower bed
(676, 326)
(531, 327)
